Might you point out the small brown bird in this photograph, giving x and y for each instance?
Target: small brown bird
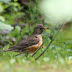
(31, 44)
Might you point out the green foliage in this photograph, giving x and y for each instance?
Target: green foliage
(5, 1)
(5, 26)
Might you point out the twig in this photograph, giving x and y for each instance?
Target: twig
(42, 43)
(49, 43)
(19, 54)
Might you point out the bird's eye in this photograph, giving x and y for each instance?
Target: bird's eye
(41, 28)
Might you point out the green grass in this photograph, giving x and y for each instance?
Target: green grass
(56, 58)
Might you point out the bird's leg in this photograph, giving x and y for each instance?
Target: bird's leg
(26, 54)
(20, 53)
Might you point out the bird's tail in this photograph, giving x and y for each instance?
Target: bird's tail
(9, 49)
(5, 50)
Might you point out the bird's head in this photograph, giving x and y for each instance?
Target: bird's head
(39, 29)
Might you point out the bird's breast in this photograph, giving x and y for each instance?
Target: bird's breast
(40, 41)
(33, 48)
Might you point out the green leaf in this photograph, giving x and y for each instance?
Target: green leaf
(4, 26)
(1, 8)
(2, 18)
(6, 47)
(5, 1)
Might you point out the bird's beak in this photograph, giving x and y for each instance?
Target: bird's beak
(45, 28)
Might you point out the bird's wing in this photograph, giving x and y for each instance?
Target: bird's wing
(24, 44)
(29, 42)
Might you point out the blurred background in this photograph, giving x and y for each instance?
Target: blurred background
(17, 21)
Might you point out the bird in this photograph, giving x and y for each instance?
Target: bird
(30, 44)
